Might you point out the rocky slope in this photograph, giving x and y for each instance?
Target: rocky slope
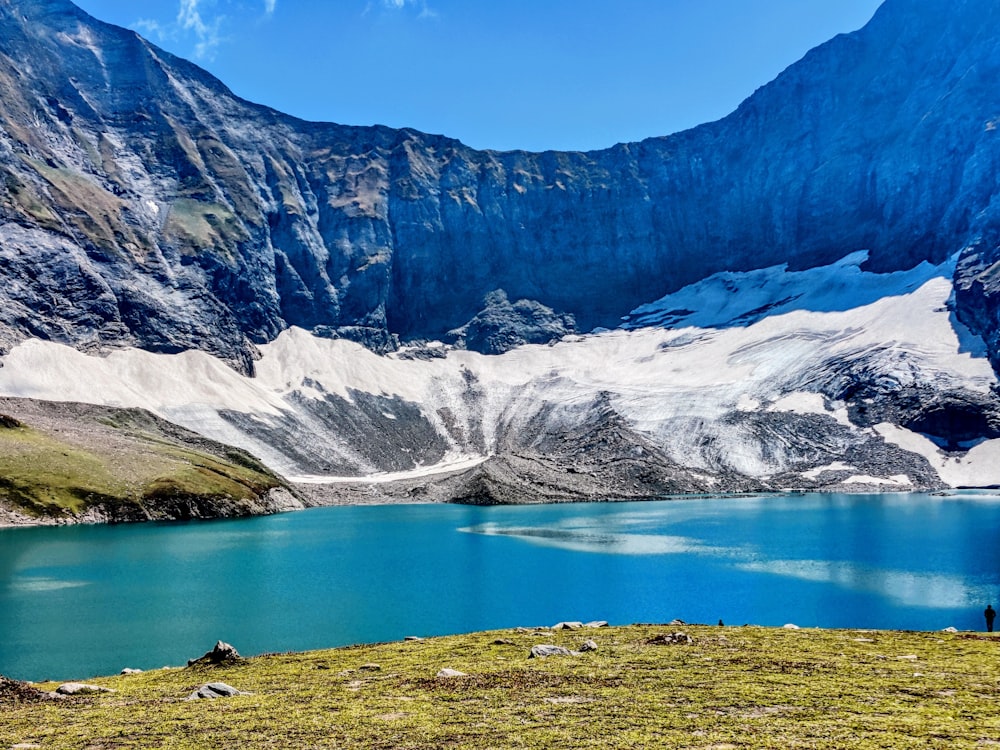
(832, 378)
(65, 462)
(809, 287)
(146, 205)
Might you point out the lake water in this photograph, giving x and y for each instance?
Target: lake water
(87, 600)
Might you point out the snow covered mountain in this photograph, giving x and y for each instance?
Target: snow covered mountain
(804, 294)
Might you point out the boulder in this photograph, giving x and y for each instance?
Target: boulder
(544, 650)
(212, 690)
(572, 625)
(129, 670)
(81, 688)
(588, 645)
(222, 653)
(450, 673)
(791, 626)
(596, 624)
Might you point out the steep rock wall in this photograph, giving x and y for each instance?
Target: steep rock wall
(146, 205)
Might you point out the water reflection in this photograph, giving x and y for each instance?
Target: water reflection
(902, 548)
(583, 539)
(43, 584)
(908, 588)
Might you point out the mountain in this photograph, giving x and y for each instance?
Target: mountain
(152, 217)
(170, 214)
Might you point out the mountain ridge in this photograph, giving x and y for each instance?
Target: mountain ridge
(261, 221)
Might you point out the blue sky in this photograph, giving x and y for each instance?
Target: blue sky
(532, 74)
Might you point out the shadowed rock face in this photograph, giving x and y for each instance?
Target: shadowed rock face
(144, 204)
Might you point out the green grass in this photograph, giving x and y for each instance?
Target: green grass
(44, 472)
(731, 688)
(202, 224)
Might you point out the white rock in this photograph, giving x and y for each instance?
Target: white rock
(81, 688)
(211, 690)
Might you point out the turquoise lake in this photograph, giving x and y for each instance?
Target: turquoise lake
(87, 600)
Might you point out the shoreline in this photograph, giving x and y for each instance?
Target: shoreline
(364, 492)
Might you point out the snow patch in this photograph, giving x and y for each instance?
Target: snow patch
(835, 466)
(742, 298)
(980, 466)
(454, 463)
(896, 480)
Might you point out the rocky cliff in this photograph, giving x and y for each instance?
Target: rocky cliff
(146, 205)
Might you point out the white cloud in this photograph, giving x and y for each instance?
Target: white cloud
(149, 27)
(420, 5)
(206, 23)
(206, 33)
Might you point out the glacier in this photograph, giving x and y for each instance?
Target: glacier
(725, 400)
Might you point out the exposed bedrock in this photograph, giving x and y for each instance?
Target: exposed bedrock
(144, 204)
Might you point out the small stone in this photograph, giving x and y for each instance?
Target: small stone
(503, 642)
(450, 673)
(212, 690)
(670, 639)
(588, 645)
(676, 622)
(81, 688)
(543, 651)
(413, 638)
(908, 657)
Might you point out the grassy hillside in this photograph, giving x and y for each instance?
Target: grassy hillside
(64, 460)
(731, 688)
